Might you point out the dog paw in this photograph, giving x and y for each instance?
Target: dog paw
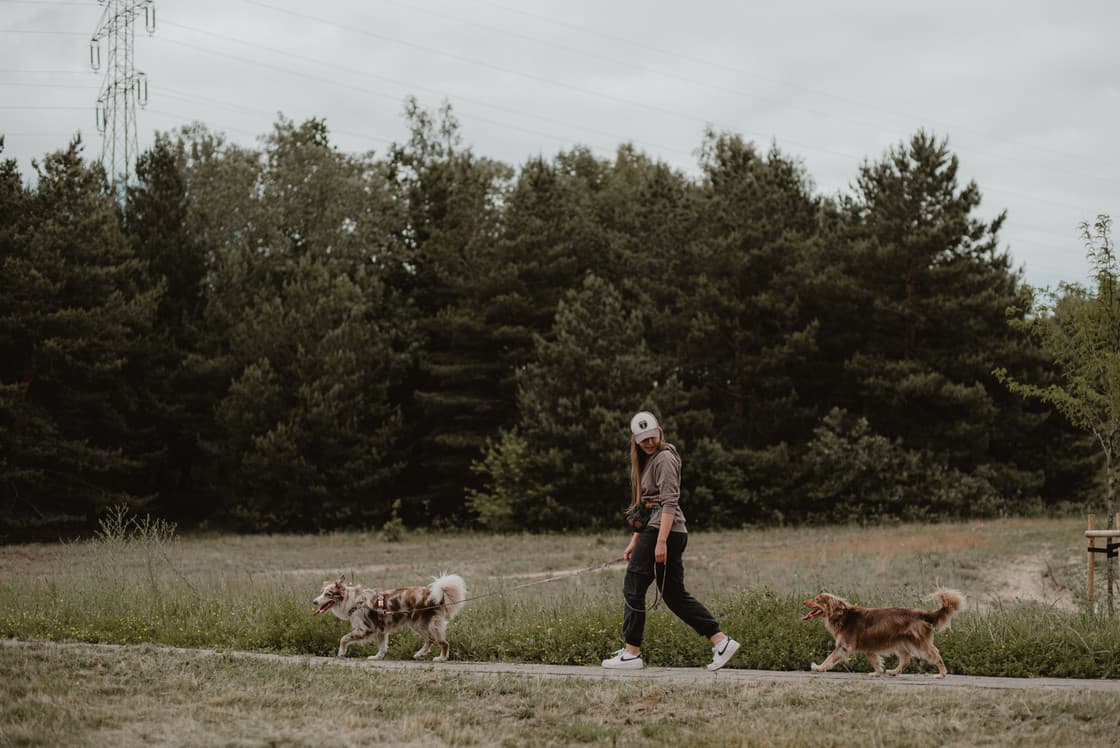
(418, 655)
(939, 676)
(814, 667)
(378, 656)
(439, 658)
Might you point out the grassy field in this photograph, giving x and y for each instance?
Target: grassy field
(140, 698)
(139, 583)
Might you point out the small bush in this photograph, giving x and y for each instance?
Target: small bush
(393, 530)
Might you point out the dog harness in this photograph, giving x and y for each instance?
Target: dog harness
(378, 606)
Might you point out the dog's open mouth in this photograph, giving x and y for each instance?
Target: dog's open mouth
(324, 607)
(812, 614)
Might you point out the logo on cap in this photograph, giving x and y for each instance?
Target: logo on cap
(642, 424)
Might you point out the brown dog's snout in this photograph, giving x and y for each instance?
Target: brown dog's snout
(814, 609)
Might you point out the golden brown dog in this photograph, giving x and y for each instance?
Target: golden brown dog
(906, 632)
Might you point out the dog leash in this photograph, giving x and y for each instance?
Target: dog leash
(658, 593)
(567, 575)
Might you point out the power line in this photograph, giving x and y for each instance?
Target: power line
(531, 76)
(40, 71)
(310, 76)
(175, 93)
(361, 89)
(44, 85)
(740, 71)
(582, 90)
(350, 28)
(414, 87)
(460, 21)
(41, 31)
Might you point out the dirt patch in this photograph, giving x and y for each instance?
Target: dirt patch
(1025, 578)
(879, 543)
(332, 573)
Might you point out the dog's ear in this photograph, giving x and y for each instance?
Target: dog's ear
(831, 603)
(341, 579)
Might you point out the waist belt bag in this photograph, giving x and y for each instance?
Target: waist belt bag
(639, 515)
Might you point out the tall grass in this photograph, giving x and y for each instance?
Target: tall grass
(130, 584)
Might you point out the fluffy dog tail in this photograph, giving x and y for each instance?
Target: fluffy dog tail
(951, 602)
(451, 590)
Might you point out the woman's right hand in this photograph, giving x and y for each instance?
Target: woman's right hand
(630, 548)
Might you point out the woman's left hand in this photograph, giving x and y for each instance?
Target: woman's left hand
(660, 551)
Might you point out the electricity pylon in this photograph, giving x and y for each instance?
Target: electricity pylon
(123, 87)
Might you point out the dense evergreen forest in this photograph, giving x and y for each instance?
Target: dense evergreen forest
(297, 338)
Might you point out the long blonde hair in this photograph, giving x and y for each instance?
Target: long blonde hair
(638, 459)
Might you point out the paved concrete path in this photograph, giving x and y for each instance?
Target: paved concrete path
(656, 674)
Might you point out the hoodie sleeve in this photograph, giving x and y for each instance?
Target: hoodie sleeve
(667, 476)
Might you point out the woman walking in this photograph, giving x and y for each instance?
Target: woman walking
(656, 549)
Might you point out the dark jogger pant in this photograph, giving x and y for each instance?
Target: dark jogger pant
(670, 580)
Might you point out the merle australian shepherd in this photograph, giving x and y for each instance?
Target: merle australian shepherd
(372, 612)
(906, 632)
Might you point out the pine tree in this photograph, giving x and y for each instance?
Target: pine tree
(742, 330)
(462, 386)
(176, 407)
(307, 424)
(313, 339)
(75, 308)
(565, 464)
(924, 320)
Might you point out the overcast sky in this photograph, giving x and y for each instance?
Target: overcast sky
(1028, 93)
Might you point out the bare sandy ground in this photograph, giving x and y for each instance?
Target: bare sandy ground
(1026, 578)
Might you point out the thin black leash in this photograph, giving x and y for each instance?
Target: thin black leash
(568, 575)
(658, 591)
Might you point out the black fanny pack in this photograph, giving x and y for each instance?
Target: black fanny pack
(639, 515)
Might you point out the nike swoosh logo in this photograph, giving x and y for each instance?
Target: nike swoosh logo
(725, 646)
(628, 659)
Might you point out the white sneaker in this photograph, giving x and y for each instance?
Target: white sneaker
(723, 652)
(623, 660)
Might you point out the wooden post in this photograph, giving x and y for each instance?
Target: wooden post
(1092, 544)
(1111, 574)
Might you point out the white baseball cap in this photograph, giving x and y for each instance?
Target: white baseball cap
(644, 425)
